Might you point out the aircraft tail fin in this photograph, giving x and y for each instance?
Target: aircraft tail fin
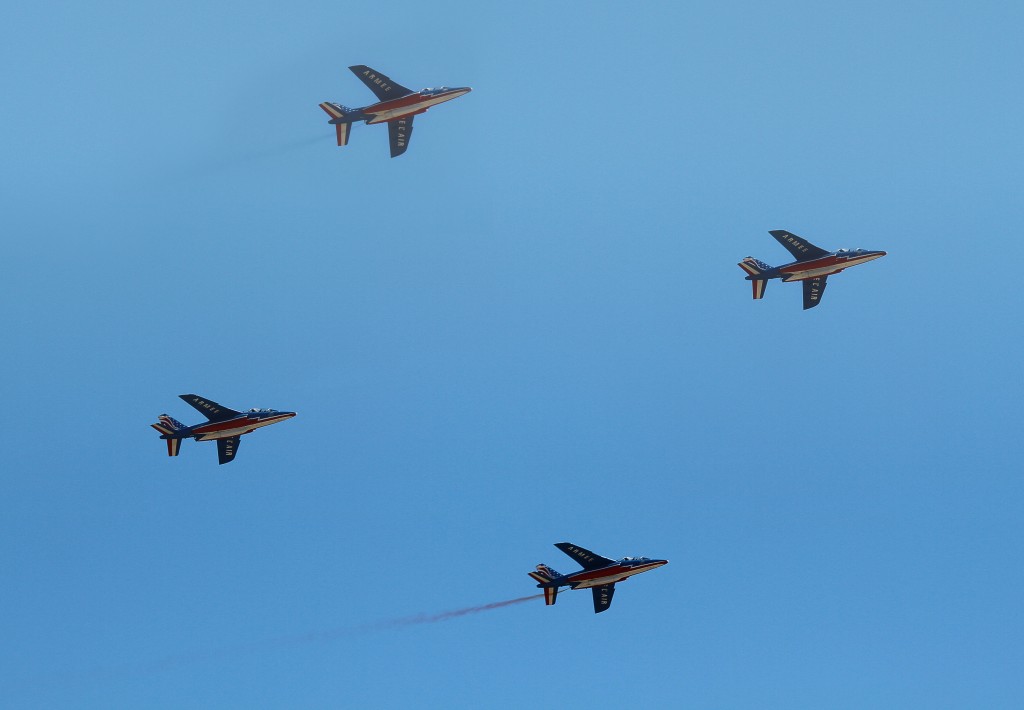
(338, 113)
(169, 427)
(754, 268)
(543, 575)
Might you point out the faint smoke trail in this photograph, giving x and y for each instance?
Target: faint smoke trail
(446, 615)
(400, 623)
(234, 161)
(171, 662)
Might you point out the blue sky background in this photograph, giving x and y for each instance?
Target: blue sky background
(530, 328)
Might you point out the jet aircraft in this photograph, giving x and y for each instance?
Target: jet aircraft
(599, 574)
(225, 426)
(396, 106)
(812, 266)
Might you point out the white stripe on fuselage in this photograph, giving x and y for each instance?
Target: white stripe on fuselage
(827, 270)
(228, 433)
(617, 577)
(411, 108)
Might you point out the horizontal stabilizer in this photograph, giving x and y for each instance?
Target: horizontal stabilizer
(334, 110)
(170, 427)
(545, 575)
(337, 112)
(343, 131)
(173, 446)
(758, 285)
(755, 268)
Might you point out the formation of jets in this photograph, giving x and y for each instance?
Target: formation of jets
(397, 106)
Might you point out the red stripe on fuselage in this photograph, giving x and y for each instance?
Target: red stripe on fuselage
(236, 423)
(821, 263)
(598, 573)
(395, 103)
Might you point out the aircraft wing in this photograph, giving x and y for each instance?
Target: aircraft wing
(399, 132)
(586, 558)
(603, 597)
(801, 249)
(379, 84)
(208, 408)
(813, 288)
(227, 448)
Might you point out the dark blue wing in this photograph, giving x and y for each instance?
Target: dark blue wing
(586, 558)
(379, 84)
(208, 408)
(227, 448)
(813, 288)
(603, 597)
(801, 249)
(399, 132)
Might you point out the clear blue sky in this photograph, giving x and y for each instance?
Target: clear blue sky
(530, 328)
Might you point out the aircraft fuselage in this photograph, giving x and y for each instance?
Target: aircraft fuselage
(236, 426)
(826, 265)
(408, 105)
(822, 266)
(403, 106)
(585, 579)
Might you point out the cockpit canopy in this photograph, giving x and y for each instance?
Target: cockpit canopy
(849, 252)
(436, 90)
(634, 560)
(261, 411)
